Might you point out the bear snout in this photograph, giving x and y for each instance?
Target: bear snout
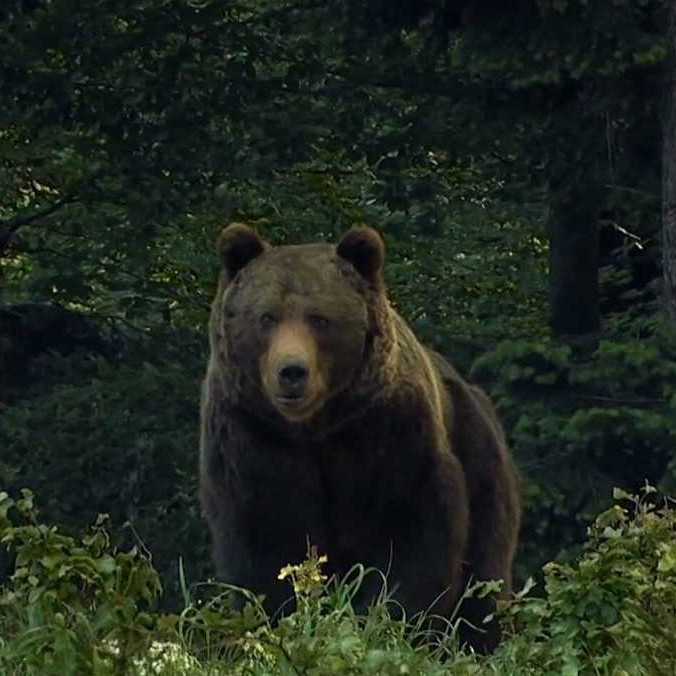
(292, 377)
(289, 372)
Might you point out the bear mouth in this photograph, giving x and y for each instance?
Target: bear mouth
(295, 408)
(292, 401)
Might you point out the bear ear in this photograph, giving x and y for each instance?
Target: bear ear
(364, 248)
(238, 245)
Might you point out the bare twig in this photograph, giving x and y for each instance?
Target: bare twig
(633, 191)
(622, 401)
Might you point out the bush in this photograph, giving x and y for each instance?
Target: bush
(612, 612)
(79, 605)
(66, 593)
(98, 436)
(580, 424)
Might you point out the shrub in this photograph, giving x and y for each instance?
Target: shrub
(79, 605)
(66, 594)
(612, 612)
(579, 424)
(98, 436)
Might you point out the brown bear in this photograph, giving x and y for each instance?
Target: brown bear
(325, 420)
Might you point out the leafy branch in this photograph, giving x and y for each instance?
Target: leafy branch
(10, 227)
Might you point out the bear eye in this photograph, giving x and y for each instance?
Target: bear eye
(318, 322)
(267, 320)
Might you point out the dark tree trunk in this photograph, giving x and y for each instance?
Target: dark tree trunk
(669, 174)
(574, 258)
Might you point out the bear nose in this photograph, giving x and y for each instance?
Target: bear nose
(292, 378)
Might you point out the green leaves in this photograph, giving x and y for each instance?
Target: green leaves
(130, 133)
(610, 612)
(580, 424)
(96, 436)
(67, 593)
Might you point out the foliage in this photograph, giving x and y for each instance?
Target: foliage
(66, 592)
(95, 436)
(611, 612)
(80, 605)
(130, 132)
(582, 423)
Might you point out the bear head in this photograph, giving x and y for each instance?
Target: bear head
(295, 324)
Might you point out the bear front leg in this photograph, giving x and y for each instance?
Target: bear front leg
(495, 511)
(263, 507)
(495, 521)
(406, 515)
(429, 547)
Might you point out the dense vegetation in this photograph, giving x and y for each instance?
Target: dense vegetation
(77, 605)
(512, 160)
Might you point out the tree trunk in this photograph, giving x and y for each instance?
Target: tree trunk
(574, 257)
(669, 174)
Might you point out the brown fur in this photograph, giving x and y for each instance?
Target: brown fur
(324, 418)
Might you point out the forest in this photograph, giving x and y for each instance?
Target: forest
(519, 160)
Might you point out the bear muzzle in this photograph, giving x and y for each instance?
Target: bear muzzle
(292, 380)
(295, 391)
(289, 372)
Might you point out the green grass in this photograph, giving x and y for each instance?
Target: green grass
(78, 606)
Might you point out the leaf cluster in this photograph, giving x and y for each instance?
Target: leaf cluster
(78, 604)
(610, 612)
(581, 423)
(66, 592)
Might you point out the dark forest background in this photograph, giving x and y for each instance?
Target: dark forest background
(511, 157)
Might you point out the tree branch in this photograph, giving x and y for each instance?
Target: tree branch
(9, 227)
(623, 401)
(13, 224)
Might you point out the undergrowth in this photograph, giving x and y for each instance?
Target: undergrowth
(77, 605)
